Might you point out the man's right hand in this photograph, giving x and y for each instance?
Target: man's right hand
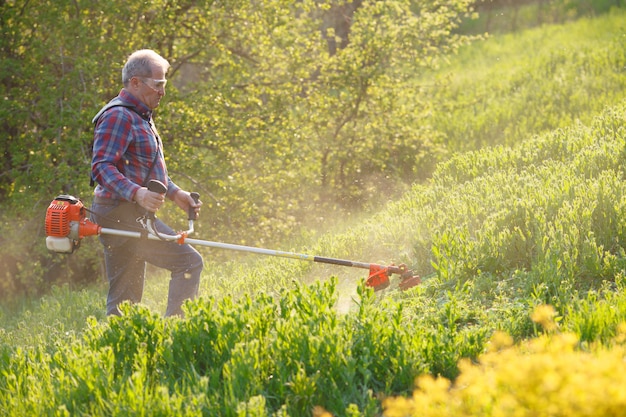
(149, 200)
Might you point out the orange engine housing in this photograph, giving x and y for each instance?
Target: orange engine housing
(61, 212)
(66, 224)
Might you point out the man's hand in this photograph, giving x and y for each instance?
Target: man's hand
(149, 200)
(184, 201)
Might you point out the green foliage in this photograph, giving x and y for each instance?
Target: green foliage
(56, 318)
(283, 355)
(541, 222)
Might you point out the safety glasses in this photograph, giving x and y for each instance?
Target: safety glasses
(155, 84)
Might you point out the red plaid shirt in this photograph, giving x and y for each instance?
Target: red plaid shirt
(125, 147)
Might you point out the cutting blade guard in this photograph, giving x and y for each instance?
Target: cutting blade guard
(379, 277)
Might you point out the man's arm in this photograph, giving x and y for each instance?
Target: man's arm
(111, 140)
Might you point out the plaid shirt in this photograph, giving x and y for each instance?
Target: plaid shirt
(125, 146)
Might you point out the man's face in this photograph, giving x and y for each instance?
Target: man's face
(150, 90)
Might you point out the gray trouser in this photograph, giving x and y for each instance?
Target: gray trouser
(126, 258)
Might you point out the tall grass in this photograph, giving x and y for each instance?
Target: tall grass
(514, 86)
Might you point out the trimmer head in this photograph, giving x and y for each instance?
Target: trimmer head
(410, 282)
(379, 277)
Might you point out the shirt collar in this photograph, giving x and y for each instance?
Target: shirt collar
(143, 110)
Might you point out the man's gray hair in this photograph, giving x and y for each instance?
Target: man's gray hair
(139, 64)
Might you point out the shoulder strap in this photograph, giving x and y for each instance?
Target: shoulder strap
(113, 103)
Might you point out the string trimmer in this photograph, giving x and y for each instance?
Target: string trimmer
(67, 225)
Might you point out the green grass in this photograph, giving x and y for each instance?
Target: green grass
(511, 87)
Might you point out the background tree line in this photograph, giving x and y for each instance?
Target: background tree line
(278, 112)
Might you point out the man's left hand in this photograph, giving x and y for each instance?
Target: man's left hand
(183, 200)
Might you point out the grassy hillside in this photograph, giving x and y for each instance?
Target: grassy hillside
(514, 86)
(522, 253)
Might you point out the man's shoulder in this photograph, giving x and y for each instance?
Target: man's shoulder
(115, 108)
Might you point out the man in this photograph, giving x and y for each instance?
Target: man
(127, 154)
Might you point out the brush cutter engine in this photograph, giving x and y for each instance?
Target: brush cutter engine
(67, 225)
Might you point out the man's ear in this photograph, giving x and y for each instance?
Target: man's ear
(134, 82)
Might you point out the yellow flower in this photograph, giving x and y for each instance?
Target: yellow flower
(320, 412)
(500, 340)
(545, 316)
